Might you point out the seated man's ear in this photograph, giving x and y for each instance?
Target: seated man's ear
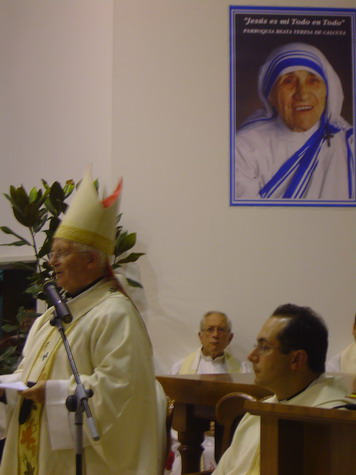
(299, 358)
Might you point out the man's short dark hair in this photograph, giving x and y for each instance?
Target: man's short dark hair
(305, 331)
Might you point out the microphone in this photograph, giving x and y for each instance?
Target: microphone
(56, 300)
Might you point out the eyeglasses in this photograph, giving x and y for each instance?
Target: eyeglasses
(61, 254)
(219, 330)
(262, 348)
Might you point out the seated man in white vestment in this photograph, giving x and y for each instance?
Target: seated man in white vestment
(211, 357)
(289, 360)
(112, 352)
(344, 362)
(299, 146)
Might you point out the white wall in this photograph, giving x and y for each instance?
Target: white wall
(140, 88)
(171, 143)
(56, 93)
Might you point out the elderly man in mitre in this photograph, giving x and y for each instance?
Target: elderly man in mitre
(112, 351)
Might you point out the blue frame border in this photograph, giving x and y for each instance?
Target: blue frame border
(238, 10)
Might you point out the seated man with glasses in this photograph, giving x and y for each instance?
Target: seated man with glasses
(211, 357)
(288, 359)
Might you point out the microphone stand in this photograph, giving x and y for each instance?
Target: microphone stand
(77, 403)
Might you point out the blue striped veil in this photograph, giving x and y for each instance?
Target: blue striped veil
(298, 169)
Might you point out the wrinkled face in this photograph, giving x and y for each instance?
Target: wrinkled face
(70, 265)
(299, 98)
(215, 335)
(271, 366)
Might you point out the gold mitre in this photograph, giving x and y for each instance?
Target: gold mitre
(89, 220)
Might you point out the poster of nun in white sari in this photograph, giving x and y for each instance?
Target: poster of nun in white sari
(292, 92)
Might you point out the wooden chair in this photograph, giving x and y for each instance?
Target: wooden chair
(229, 412)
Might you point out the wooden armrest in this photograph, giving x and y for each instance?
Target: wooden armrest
(229, 410)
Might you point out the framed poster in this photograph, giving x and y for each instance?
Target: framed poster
(292, 106)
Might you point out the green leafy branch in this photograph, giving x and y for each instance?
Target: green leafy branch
(39, 211)
(123, 243)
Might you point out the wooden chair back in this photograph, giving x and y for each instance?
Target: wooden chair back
(229, 412)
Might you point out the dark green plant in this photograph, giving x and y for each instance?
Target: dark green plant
(8, 360)
(123, 243)
(13, 338)
(39, 211)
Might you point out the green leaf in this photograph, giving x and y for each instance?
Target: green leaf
(45, 249)
(53, 225)
(7, 328)
(33, 195)
(43, 198)
(24, 210)
(7, 230)
(68, 188)
(121, 236)
(134, 283)
(56, 193)
(56, 199)
(17, 243)
(50, 207)
(33, 215)
(8, 352)
(19, 196)
(21, 218)
(28, 216)
(35, 290)
(42, 219)
(8, 197)
(131, 258)
(124, 243)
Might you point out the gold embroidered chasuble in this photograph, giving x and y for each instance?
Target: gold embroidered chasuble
(111, 348)
(29, 431)
(191, 363)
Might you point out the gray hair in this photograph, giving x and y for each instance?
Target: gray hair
(211, 312)
(102, 256)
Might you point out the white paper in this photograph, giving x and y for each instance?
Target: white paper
(18, 385)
